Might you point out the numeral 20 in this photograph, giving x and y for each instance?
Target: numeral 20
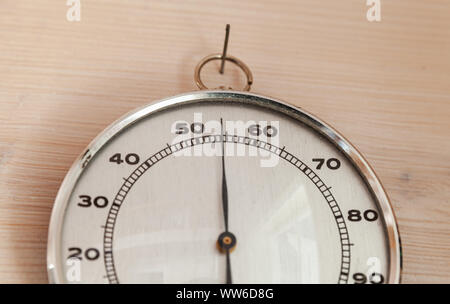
(91, 254)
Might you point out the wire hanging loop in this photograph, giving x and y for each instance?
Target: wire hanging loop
(232, 59)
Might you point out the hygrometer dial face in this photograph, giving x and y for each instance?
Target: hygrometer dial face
(145, 202)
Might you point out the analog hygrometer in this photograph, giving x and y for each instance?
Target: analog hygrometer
(222, 187)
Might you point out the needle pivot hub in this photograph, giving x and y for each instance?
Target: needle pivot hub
(227, 241)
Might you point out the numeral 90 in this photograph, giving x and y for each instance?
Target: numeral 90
(374, 278)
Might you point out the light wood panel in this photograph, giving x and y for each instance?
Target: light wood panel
(384, 85)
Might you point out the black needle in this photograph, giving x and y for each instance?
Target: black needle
(227, 240)
(224, 182)
(229, 280)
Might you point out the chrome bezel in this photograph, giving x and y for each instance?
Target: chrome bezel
(54, 236)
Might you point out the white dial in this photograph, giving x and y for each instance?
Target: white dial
(214, 187)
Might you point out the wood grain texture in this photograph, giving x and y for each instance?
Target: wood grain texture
(384, 85)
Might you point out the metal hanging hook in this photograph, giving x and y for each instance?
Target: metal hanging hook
(223, 57)
(225, 47)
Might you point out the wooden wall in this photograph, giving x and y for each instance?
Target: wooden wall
(384, 85)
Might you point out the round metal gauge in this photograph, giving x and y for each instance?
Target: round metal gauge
(222, 187)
